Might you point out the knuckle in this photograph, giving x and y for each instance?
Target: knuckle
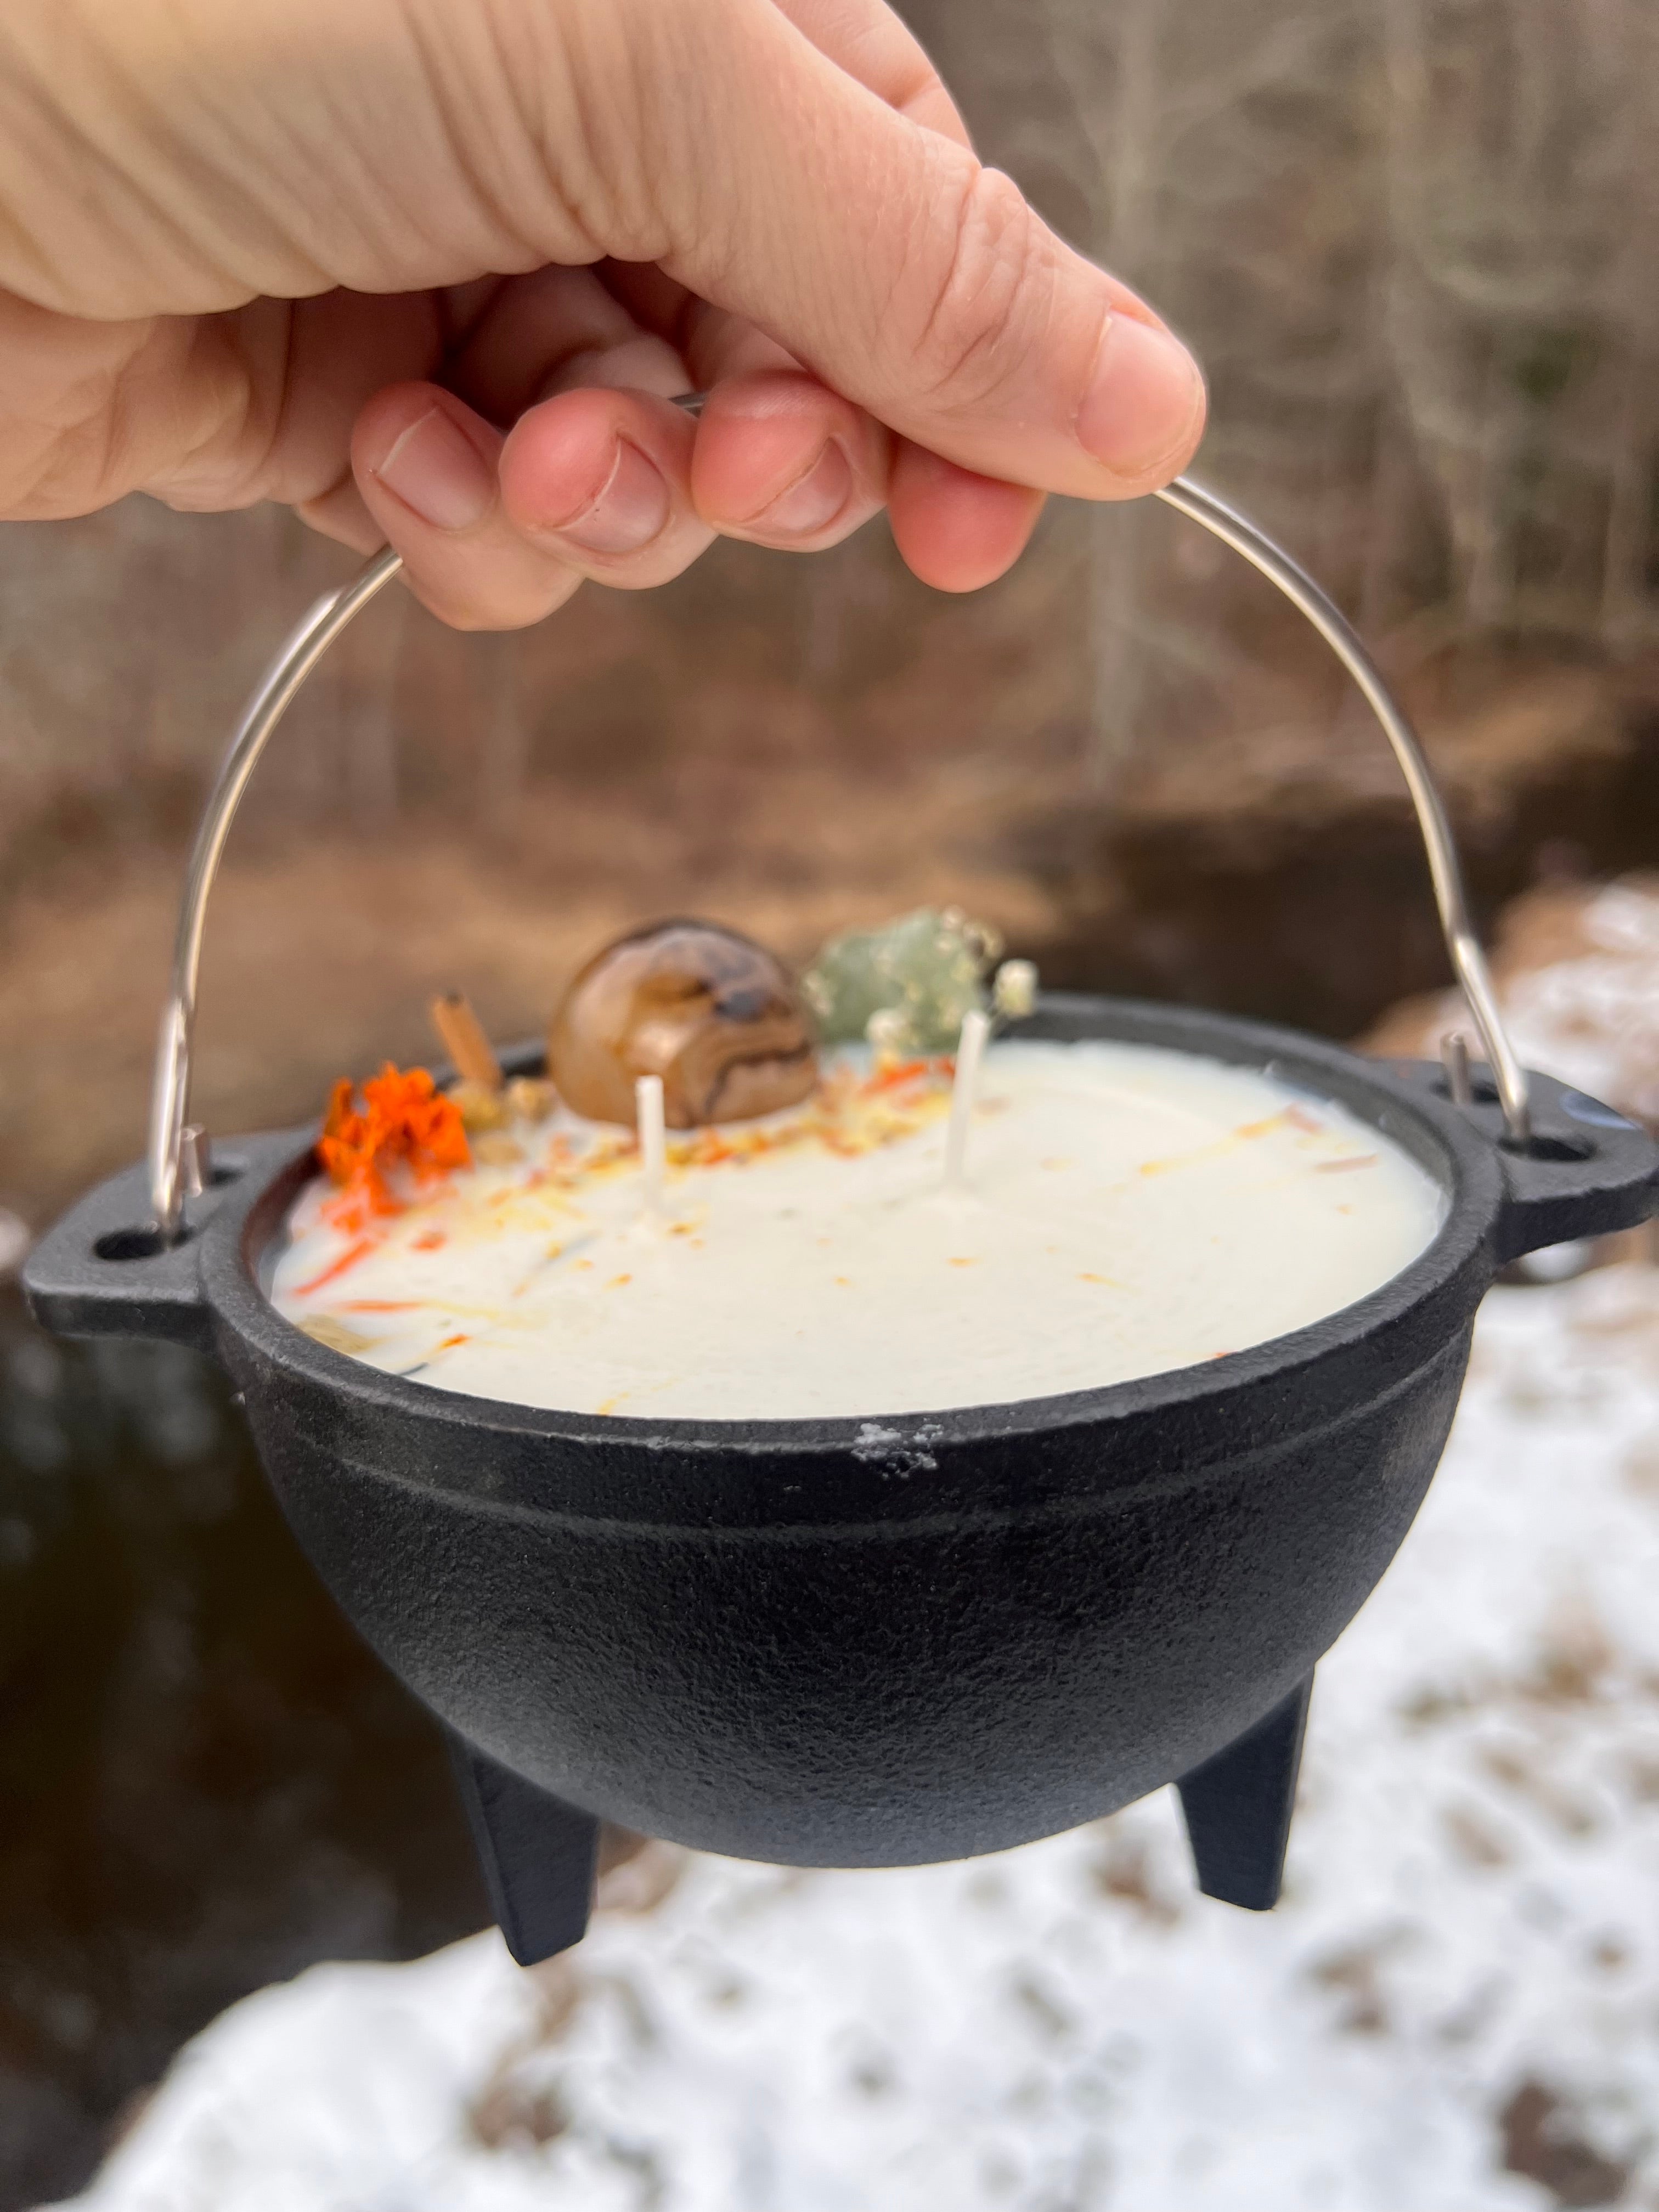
(980, 300)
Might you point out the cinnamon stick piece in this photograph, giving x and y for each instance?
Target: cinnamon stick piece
(464, 1042)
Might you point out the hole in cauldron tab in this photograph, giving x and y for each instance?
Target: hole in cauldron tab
(226, 1171)
(135, 1244)
(1538, 1147)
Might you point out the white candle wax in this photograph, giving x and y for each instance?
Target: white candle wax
(1127, 1210)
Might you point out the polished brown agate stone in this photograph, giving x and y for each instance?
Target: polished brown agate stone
(710, 1012)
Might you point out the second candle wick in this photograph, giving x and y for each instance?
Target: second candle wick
(971, 1053)
(653, 1145)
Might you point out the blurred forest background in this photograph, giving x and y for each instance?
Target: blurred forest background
(1414, 242)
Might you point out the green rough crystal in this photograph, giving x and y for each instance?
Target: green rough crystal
(920, 975)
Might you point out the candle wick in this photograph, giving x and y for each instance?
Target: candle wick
(654, 1145)
(971, 1053)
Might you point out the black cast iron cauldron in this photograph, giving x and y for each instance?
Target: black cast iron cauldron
(875, 1642)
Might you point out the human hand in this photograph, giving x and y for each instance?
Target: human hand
(431, 271)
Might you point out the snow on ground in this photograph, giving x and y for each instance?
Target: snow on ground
(1589, 1018)
(1455, 2009)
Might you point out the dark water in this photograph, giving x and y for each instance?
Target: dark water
(206, 1781)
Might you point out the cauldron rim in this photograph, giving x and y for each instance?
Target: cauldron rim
(1440, 1138)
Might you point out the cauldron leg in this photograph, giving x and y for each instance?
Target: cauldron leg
(540, 1856)
(1238, 1808)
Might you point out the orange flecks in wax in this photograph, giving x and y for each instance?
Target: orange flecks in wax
(430, 1240)
(617, 1282)
(1246, 1133)
(399, 1117)
(891, 1079)
(1291, 1115)
(449, 1344)
(964, 1263)
(1338, 1167)
(349, 1258)
(381, 1305)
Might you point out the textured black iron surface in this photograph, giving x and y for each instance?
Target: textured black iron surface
(784, 1640)
(1238, 1808)
(540, 1858)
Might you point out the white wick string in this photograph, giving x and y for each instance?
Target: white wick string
(653, 1145)
(970, 1052)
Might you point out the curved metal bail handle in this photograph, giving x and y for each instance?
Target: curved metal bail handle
(1463, 945)
(170, 1094)
(305, 647)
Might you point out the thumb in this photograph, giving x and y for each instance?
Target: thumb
(904, 273)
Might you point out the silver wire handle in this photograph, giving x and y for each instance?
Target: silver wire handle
(1463, 945)
(306, 646)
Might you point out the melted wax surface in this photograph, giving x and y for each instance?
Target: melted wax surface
(1129, 1210)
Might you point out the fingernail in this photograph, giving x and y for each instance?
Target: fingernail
(436, 468)
(627, 513)
(1145, 400)
(812, 501)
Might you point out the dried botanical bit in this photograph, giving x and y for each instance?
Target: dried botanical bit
(463, 1040)
(915, 978)
(337, 1268)
(888, 1030)
(1014, 989)
(479, 1108)
(531, 1099)
(399, 1118)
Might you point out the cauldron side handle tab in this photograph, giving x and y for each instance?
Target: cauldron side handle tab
(1586, 1170)
(104, 1269)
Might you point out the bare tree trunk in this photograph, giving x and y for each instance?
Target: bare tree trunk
(1630, 605)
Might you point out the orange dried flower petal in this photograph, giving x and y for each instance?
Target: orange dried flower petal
(403, 1117)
